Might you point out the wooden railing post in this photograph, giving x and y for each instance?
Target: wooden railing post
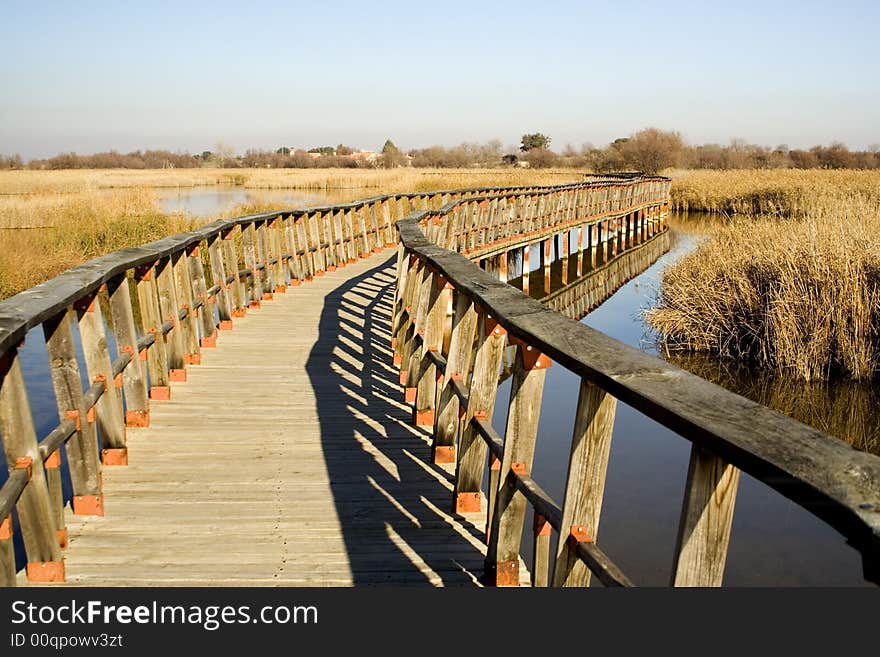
(421, 299)
(471, 457)
(192, 354)
(540, 550)
(587, 466)
(447, 426)
(239, 290)
(276, 249)
(168, 309)
(82, 447)
(527, 385)
(134, 380)
(218, 275)
(426, 388)
(35, 517)
(111, 423)
(294, 263)
(157, 353)
(267, 276)
(207, 322)
(254, 281)
(706, 518)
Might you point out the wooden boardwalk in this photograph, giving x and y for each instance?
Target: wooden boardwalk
(287, 458)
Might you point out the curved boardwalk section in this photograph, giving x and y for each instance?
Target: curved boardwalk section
(284, 460)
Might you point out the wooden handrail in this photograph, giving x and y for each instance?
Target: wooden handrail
(729, 433)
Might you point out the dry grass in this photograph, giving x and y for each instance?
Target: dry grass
(778, 192)
(72, 228)
(376, 180)
(800, 296)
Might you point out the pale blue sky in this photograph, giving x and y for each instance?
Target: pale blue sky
(91, 76)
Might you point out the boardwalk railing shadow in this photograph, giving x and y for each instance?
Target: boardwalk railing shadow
(392, 502)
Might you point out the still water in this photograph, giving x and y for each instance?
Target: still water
(773, 541)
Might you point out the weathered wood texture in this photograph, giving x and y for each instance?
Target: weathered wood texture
(319, 480)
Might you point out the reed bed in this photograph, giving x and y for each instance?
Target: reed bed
(777, 192)
(375, 180)
(801, 296)
(65, 230)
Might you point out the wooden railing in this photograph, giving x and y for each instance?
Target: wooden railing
(166, 301)
(450, 368)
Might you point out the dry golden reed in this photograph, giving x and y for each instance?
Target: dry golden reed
(778, 192)
(374, 180)
(796, 295)
(67, 229)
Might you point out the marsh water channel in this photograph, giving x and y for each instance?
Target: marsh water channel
(773, 541)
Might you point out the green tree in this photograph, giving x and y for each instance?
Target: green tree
(534, 140)
(392, 156)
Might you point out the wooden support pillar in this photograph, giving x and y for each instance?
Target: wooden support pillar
(45, 562)
(447, 426)
(82, 447)
(580, 252)
(587, 466)
(111, 423)
(524, 410)
(134, 379)
(706, 519)
(502, 267)
(471, 457)
(526, 268)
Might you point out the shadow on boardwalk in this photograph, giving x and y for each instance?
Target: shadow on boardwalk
(391, 500)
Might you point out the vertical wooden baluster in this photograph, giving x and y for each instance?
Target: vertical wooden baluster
(302, 239)
(527, 384)
(423, 294)
(341, 237)
(387, 223)
(276, 248)
(239, 290)
(471, 457)
(218, 275)
(82, 447)
(402, 270)
(706, 518)
(35, 517)
(587, 466)
(294, 264)
(526, 268)
(330, 239)
(349, 235)
(439, 293)
(540, 550)
(406, 326)
(111, 423)
(207, 321)
(134, 380)
(363, 228)
(447, 427)
(192, 354)
(157, 354)
(52, 464)
(316, 243)
(267, 277)
(254, 281)
(168, 307)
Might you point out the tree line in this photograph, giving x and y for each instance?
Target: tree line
(650, 150)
